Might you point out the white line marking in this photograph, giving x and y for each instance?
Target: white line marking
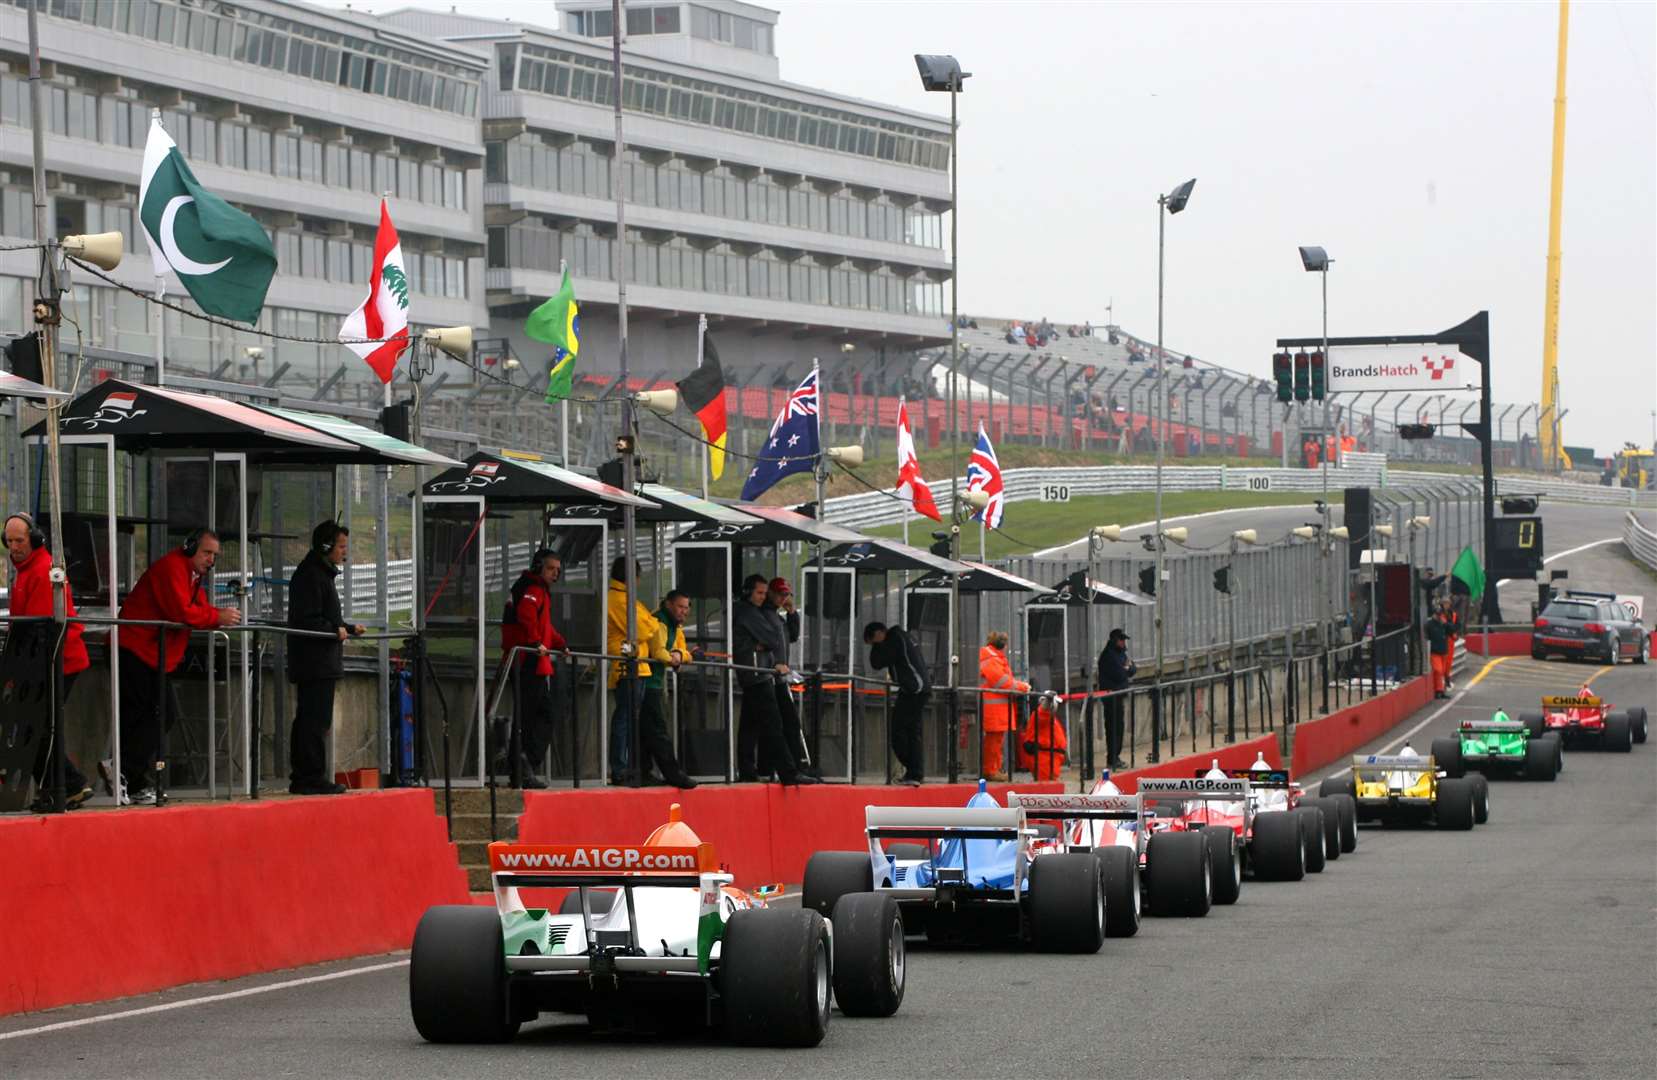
(1183, 517)
(63, 1025)
(1562, 554)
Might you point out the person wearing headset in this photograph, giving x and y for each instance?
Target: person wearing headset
(171, 591)
(316, 664)
(31, 594)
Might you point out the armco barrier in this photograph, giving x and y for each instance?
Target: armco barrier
(1329, 738)
(760, 832)
(101, 905)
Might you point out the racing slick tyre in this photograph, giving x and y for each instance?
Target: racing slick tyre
(904, 852)
(1481, 798)
(1331, 826)
(1180, 880)
(1637, 718)
(868, 954)
(1119, 878)
(1276, 850)
(775, 976)
(1542, 758)
(457, 976)
(829, 875)
(1067, 903)
(599, 902)
(1535, 723)
(1447, 752)
(1453, 809)
(1225, 864)
(1334, 785)
(1619, 733)
(1311, 834)
(1346, 815)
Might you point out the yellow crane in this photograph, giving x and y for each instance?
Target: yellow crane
(1547, 422)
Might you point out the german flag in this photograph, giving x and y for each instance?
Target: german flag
(704, 394)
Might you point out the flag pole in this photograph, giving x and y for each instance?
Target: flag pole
(160, 312)
(564, 405)
(701, 337)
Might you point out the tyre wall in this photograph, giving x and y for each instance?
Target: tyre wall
(99, 905)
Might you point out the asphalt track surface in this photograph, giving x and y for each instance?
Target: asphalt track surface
(1527, 947)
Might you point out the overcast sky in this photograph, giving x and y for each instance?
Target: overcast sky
(1411, 140)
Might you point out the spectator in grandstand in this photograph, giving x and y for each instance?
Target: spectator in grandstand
(1116, 672)
(629, 695)
(668, 646)
(527, 623)
(315, 664)
(1015, 333)
(1135, 356)
(759, 645)
(893, 650)
(170, 591)
(995, 677)
(31, 595)
(779, 601)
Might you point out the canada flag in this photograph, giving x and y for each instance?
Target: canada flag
(911, 488)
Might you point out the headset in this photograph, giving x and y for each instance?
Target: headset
(193, 541)
(539, 561)
(37, 538)
(325, 536)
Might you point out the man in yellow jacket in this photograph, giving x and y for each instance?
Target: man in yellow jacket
(994, 673)
(628, 693)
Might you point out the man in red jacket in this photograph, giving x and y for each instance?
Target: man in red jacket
(31, 594)
(170, 590)
(530, 625)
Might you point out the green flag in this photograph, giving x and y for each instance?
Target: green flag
(1468, 571)
(222, 255)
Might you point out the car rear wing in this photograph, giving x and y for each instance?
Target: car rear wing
(1230, 789)
(602, 865)
(1078, 807)
(1376, 763)
(944, 823)
(1257, 778)
(1571, 701)
(1492, 727)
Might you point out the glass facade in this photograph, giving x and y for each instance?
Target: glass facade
(561, 74)
(124, 120)
(282, 45)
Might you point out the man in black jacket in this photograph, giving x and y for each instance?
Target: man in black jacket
(315, 664)
(760, 642)
(779, 601)
(1116, 671)
(892, 649)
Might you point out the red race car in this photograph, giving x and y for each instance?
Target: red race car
(1584, 719)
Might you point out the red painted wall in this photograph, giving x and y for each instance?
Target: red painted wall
(1319, 742)
(99, 905)
(1238, 756)
(1501, 643)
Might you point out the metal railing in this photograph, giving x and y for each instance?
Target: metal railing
(1640, 541)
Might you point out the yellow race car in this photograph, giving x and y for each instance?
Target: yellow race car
(1405, 787)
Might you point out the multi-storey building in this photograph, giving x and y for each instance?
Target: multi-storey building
(301, 116)
(798, 221)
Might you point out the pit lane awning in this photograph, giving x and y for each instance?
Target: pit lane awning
(372, 447)
(876, 554)
(17, 386)
(981, 577)
(676, 505)
(1079, 590)
(143, 417)
(775, 525)
(520, 477)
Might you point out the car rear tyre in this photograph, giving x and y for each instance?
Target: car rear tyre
(1311, 834)
(1637, 721)
(1180, 882)
(1481, 798)
(1346, 815)
(869, 959)
(1331, 827)
(829, 875)
(1225, 864)
(1067, 903)
(1619, 733)
(1542, 758)
(1276, 849)
(1336, 785)
(1447, 753)
(1453, 808)
(1535, 723)
(457, 976)
(1119, 878)
(775, 975)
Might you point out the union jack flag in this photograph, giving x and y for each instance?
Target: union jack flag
(984, 474)
(793, 444)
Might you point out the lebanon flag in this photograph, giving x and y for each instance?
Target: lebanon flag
(911, 488)
(378, 330)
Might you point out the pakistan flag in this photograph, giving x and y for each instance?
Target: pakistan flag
(222, 255)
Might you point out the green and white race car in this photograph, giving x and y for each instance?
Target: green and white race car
(1500, 745)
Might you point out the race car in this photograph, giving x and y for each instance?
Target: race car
(678, 947)
(1585, 719)
(1275, 842)
(1271, 789)
(973, 882)
(1500, 745)
(1405, 787)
